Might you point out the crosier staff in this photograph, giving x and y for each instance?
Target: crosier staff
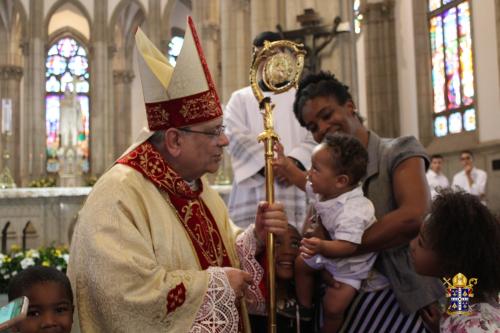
(278, 65)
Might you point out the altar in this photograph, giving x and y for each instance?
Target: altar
(34, 217)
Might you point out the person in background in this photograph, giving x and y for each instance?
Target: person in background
(461, 236)
(435, 177)
(243, 124)
(471, 179)
(50, 297)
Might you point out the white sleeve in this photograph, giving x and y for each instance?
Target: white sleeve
(479, 186)
(218, 312)
(246, 152)
(246, 246)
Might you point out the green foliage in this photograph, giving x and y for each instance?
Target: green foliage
(16, 260)
(43, 182)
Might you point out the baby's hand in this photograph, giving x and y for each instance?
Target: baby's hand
(280, 164)
(310, 247)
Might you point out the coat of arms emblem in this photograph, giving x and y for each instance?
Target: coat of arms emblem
(459, 292)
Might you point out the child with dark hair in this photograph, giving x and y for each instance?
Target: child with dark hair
(462, 236)
(286, 251)
(50, 300)
(338, 165)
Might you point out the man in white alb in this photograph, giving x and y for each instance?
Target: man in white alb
(471, 179)
(435, 177)
(243, 124)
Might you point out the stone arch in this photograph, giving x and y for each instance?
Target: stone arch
(127, 16)
(81, 8)
(68, 32)
(13, 25)
(166, 32)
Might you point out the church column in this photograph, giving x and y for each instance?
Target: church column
(122, 92)
(423, 78)
(381, 72)
(101, 124)
(263, 16)
(236, 48)
(206, 16)
(33, 160)
(10, 79)
(153, 22)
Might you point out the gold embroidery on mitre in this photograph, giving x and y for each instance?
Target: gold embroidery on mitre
(203, 106)
(157, 116)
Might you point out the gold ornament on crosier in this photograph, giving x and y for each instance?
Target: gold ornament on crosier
(278, 65)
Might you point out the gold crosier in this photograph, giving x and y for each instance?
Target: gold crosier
(278, 65)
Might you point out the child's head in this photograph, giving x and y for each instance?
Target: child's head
(338, 164)
(287, 249)
(50, 299)
(460, 236)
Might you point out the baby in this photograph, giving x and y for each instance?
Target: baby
(338, 164)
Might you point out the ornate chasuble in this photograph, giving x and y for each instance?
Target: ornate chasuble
(191, 211)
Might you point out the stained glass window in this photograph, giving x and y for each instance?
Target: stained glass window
(67, 90)
(452, 66)
(358, 17)
(174, 48)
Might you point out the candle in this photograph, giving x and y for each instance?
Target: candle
(6, 116)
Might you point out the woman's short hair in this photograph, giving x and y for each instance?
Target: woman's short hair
(323, 84)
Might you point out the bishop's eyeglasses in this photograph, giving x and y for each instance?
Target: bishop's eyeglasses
(216, 132)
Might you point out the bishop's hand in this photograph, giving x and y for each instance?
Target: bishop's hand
(270, 218)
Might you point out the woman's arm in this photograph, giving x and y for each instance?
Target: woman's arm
(402, 224)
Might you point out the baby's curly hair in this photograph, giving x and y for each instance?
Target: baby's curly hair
(322, 84)
(348, 154)
(466, 237)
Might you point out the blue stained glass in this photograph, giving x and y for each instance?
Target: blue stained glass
(455, 122)
(451, 57)
(82, 86)
(82, 52)
(440, 126)
(465, 42)
(56, 64)
(67, 47)
(438, 73)
(470, 120)
(447, 1)
(434, 4)
(66, 80)
(78, 65)
(52, 120)
(66, 61)
(53, 50)
(175, 47)
(52, 84)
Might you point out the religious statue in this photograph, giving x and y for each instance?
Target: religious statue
(69, 127)
(71, 118)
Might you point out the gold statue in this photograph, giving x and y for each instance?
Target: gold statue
(278, 65)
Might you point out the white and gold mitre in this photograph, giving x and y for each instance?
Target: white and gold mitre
(176, 96)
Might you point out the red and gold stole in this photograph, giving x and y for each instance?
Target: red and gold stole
(191, 211)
